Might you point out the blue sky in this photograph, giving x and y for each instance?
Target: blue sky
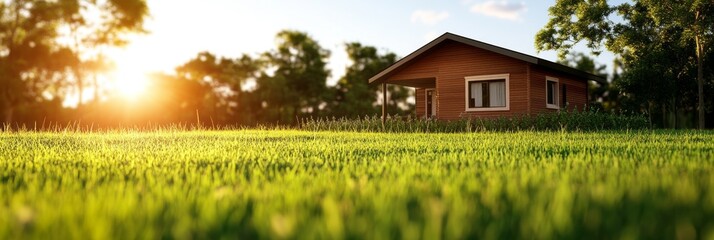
(181, 28)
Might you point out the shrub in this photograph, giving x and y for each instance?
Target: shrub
(560, 121)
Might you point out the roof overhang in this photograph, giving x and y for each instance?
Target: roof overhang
(384, 74)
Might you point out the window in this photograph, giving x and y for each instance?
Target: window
(551, 92)
(487, 93)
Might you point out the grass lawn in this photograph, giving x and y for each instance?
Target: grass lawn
(296, 184)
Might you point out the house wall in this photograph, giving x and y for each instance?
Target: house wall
(450, 62)
(576, 90)
(420, 101)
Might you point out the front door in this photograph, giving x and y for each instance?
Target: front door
(430, 103)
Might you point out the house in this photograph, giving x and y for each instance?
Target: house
(457, 77)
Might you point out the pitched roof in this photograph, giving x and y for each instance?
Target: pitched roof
(482, 45)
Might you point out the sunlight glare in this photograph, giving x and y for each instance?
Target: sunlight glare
(130, 83)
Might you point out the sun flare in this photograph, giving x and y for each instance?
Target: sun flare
(130, 83)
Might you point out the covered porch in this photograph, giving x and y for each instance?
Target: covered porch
(425, 95)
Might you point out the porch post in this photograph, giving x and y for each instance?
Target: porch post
(384, 102)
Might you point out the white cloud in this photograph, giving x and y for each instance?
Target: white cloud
(500, 9)
(429, 17)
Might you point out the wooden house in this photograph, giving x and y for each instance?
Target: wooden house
(457, 77)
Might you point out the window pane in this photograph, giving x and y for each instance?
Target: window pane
(484, 94)
(497, 94)
(476, 94)
(550, 90)
(487, 94)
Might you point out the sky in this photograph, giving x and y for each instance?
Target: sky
(179, 29)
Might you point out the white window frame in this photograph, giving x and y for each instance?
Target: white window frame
(479, 78)
(556, 92)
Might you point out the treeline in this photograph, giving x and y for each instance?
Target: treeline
(664, 65)
(276, 87)
(51, 51)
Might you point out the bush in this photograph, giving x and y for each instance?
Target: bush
(560, 121)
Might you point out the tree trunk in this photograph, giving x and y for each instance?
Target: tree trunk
(649, 113)
(80, 88)
(77, 69)
(665, 123)
(700, 81)
(700, 69)
(96, 87)
(675, 110)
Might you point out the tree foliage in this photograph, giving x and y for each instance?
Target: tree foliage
(225, 78)
(663, 46)
(94, 26)
(355, 97)
(33, 54)
(294, 81)
(289, 83)
(27, 32)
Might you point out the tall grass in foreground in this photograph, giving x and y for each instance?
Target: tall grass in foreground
(335, 185)
(568, 121)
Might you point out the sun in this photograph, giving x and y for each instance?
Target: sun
(130, 83)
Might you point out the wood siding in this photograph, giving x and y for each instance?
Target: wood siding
(576, 90)
(450, 62)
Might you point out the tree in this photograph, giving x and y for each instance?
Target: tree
(647, 30)
(96, 65)
(696, 19)
(89, 35)
(225, 77)
(298, 85)
(27, 33)
(30, 46)
(354, 97)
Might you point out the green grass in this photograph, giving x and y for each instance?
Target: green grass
(298, 184)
